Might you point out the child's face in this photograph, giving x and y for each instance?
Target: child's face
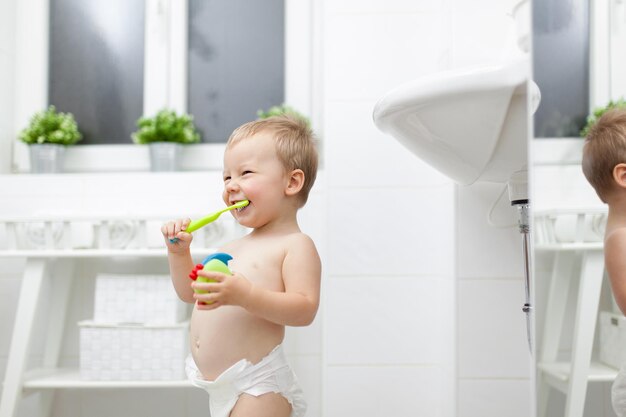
(252, 171)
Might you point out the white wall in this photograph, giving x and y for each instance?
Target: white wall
(400, 233)
(389, 290)
(493, 357)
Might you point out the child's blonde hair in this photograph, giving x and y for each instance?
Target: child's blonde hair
(605, 147)
(295, 145)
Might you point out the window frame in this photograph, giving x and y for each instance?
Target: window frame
(599, 54)
(606, 39)
(605, 19)
(165, 83)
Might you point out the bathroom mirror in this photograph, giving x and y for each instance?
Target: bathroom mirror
(578, 65)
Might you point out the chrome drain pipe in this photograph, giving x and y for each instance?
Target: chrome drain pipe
(523, 208)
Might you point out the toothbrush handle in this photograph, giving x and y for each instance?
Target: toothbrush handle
(196, 224)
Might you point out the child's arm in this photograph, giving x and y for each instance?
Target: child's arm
(297, 306)
(179, 257)
(615, 262)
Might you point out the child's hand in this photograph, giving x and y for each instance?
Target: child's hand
(176, 229)
(232, 289)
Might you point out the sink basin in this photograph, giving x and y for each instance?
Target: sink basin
(470, 124)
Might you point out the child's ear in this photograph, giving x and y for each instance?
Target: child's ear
(619, 175)
(295, 183)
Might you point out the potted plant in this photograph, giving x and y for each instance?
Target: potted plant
(282, 109)
(164, 133)
(47, 135)
(598, 112)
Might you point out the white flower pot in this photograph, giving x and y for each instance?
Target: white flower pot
(164, 156)
(46, 158)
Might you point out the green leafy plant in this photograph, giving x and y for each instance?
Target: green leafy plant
(598, 112)
(166, 126)
(282, 109)
(48, 126)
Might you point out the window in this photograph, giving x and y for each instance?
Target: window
(96, 66)
(236, 62)
(220, 61)
(561, 66)
(578, 59)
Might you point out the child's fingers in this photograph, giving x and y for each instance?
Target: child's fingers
(184, 236)
(206, 286)
(207, 297)
(168, 229)
(207, 301)
(215, 276)
(171, 229)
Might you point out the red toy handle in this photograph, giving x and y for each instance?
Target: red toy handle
(194, 272)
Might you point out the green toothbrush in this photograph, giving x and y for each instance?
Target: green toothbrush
(196, 224)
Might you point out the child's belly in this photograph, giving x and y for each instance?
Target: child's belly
(220, 338)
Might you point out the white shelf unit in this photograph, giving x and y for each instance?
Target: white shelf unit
(20, 381)
(575, 238)
(63, 378)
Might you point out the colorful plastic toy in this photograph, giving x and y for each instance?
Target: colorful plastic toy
(196, 224)
(216, 262)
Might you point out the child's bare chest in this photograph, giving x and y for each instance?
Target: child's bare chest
(260, 264)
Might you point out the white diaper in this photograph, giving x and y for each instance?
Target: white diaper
(271, 374)
(618, 393)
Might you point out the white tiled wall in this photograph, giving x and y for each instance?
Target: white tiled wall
(491, 345)
(389, 294)
(383, 54)
(371, 390)
(391, 321)
(494, 397)
(493, 354)
(400, 233)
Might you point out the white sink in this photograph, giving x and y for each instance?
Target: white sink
(469, 124)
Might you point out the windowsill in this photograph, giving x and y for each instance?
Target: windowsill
(125, 158)
(105, 183)
(557, 151)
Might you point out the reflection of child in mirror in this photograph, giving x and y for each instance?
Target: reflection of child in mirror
(238, 323)
(604, 166)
